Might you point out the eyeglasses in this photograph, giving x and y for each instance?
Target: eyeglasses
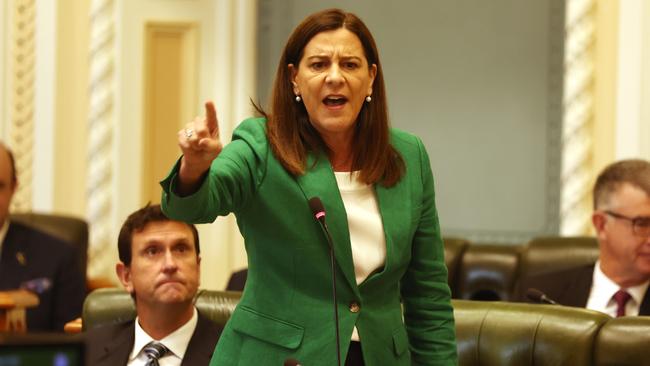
(640, 224)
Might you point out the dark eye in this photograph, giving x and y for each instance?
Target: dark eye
(151, 251)
(350, 65)
(318, 65)
(182, 248)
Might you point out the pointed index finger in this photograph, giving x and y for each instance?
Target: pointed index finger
(211, 118)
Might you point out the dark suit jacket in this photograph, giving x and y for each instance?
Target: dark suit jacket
(29, 254)
(570, 287)
(110, 345)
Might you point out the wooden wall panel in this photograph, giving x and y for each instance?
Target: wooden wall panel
(169, 96)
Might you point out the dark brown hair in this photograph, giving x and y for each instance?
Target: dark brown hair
(136, 222)
(634, 171)
(289, 131)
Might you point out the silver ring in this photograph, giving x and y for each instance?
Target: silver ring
(189, 132)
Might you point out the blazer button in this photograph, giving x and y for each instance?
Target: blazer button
(354, 307)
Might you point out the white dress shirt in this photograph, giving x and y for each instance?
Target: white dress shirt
(176, 342)
(602, 290)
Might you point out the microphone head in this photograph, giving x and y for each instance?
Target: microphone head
(317, 208)
(534, 294)
(538, 296)
(291, 361)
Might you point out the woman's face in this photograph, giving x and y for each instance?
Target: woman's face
(333, 79)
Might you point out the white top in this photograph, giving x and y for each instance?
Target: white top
(602, 290)
(366, 228)
(3, 233)
(176, 342)
(364, 221)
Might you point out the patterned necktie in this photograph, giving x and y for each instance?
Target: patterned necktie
(154, 351)
(621, 297)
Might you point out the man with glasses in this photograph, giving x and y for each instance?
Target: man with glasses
(617, 284)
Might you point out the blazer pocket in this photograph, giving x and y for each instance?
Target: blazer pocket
(400, 341)
(267, 328)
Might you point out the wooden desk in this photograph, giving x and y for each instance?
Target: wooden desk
(12, 310)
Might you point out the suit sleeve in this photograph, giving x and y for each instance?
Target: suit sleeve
(428, 314)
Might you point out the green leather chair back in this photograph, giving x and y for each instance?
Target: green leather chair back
(549, 254)
(513, 334)
(107, 306)
(488, 333)
(111, 305)
(454, 249)
(624, 342)
(488, 272)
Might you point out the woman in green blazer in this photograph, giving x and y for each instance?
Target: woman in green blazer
(327, 136)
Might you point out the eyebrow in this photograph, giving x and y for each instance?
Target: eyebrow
(321, 56)
(176, 241)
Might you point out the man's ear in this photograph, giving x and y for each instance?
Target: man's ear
(124, 275)
(599, 220)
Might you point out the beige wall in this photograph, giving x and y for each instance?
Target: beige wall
(71, 101)
(604, 128)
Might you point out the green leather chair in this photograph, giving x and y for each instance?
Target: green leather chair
(487, 272)
(488, 333)
(112, 305)
(454, 250)
(514, 334)
(624, 342)
(554, 253)
(551, 254)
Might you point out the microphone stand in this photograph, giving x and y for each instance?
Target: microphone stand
(318, 210)
(336, 309)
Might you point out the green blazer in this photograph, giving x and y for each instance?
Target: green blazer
(286, 308)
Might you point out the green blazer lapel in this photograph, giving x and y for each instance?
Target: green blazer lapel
(396, 211)
(319, 181)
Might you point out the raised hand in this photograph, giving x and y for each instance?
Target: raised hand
(200, 144)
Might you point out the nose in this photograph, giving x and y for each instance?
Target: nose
(169, 262)
(334, 75)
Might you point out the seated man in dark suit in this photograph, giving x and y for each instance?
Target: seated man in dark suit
(617, 284)
(160, 266)
(38, 262)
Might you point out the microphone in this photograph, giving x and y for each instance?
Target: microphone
(539, 297)
(318, 210)
(291, 362)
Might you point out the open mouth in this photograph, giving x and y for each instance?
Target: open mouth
(334, 101)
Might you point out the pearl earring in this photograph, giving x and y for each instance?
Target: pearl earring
(368, 99)
(298, 99)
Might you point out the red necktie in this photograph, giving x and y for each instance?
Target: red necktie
(621, 297)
